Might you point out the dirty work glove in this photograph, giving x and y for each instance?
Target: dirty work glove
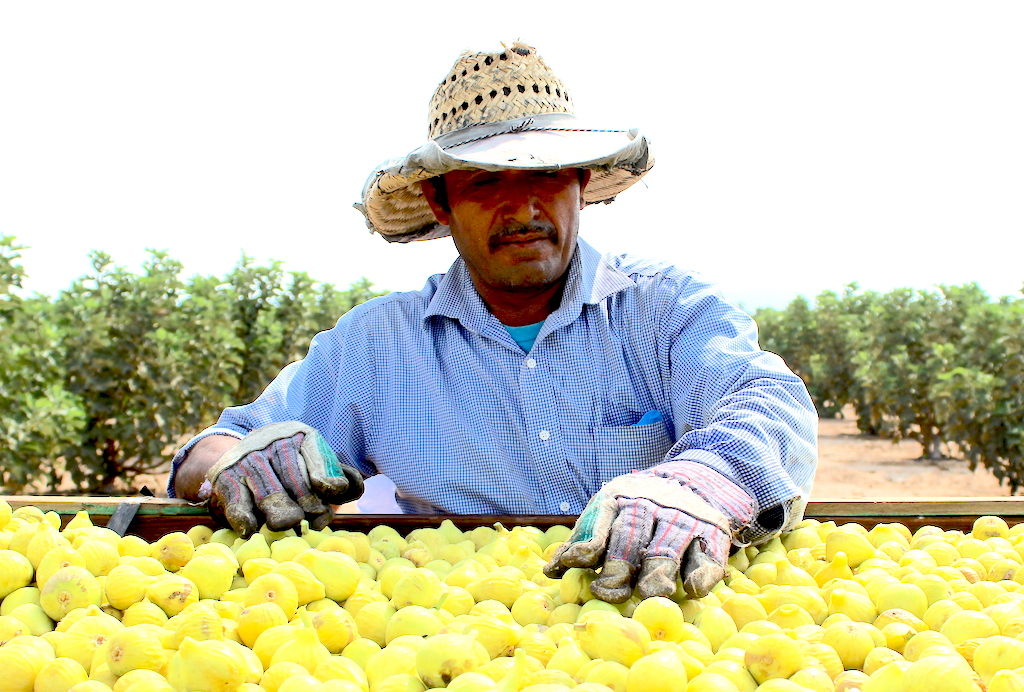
(281, 473)
(648, 527)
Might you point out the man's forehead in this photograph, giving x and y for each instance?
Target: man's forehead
(469, 174)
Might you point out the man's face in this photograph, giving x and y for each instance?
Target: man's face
(516, 230)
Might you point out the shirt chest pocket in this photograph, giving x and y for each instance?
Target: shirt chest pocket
(623, 448)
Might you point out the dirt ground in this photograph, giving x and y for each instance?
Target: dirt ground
(855, 465)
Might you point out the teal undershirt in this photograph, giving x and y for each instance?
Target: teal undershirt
(525, 336)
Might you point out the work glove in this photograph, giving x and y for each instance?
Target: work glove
(675, 520)
(279, 474)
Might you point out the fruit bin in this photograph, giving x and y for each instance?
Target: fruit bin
(158, 516)
(849, 600)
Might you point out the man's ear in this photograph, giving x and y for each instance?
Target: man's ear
(430, 194)
(584, 179)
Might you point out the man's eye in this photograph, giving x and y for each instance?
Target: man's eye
(546, 178)
(484, 182)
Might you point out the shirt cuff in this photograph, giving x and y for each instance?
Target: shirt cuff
(183, 452)
(772, 516)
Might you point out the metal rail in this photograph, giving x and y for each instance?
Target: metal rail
(159, 516)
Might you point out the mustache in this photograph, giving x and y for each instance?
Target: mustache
(516, 228)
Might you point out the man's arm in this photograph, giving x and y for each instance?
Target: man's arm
(256, 452)
(203, 455)
(739, 472)
(191, 463)
(746, 414)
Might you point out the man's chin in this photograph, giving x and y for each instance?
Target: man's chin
(531, 278)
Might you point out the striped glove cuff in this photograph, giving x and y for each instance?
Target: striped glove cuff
(712, 487)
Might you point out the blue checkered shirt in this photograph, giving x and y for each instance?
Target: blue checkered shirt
(429, 388)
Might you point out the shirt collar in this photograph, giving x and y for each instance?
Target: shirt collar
(599, 278)
(591, 279)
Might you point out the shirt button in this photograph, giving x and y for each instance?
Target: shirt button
(565, 506)
(531, 363)
(544, 435)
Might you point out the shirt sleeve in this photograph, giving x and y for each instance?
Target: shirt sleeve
(322, 390)
(737, 409)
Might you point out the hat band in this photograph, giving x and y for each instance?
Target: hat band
(548, 122)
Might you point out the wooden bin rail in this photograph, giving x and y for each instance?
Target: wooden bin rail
(159, 516)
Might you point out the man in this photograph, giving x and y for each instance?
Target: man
(536, 376)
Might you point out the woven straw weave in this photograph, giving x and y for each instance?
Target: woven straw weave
(495, 87)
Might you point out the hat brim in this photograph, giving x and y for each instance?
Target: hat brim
(396, 209)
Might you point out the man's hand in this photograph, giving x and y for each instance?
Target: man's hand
(281, 474)
(647, 528)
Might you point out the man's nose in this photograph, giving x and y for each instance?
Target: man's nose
(522, 202)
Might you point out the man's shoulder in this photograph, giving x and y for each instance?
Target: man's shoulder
(664, 290)
(651, 273)
(395, 305)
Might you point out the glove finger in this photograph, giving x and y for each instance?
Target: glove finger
(632, 529)
(232, 501)
(281, 482)
(705, 560)
(287, 461)
(589, 538)
(615, 582)
(216, 503)
(257, 468)
(630, 535)
(281, 511)
(674, 532)
(555, 569)
(286, 457)
(339, 489)
(322, 520)
(261, 476)
(328, 477)
(658, 576)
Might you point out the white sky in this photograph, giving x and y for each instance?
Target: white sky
(799, 145)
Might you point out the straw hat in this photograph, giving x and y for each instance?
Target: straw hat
(499, 111)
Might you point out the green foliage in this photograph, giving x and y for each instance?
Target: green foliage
(38, 416)
(819, 342)
(980, 404)
(105, 382)
(912, 338)
(267, 315)
(119, 332)
(941, 367)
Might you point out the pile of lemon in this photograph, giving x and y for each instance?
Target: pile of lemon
(823, 608)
